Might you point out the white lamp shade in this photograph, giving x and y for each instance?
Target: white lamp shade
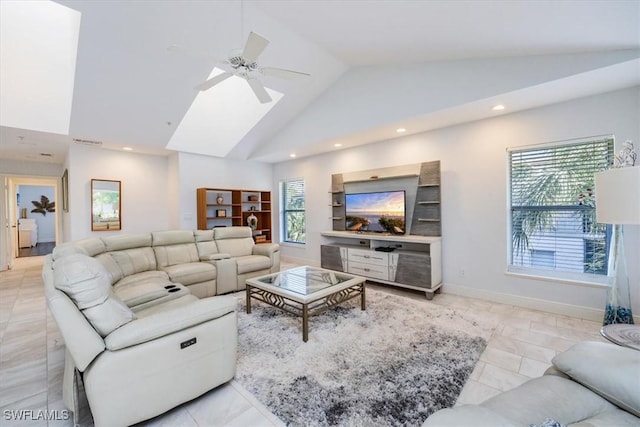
(618, 196)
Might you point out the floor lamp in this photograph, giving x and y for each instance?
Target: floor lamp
(618, 203)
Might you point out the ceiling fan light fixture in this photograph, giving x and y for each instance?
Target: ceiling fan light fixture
(401, 130)
(244, 64)
(498, 107)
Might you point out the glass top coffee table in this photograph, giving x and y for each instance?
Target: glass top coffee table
(305, 291)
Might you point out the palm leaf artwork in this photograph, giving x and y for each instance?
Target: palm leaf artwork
(43, 206)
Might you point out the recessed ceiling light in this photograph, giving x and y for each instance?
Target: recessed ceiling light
(127, 148)
(337, 145)
(292, 155)
(498, 107)
(401, 130)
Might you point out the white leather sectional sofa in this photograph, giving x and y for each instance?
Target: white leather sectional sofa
(592, 384)
(143, 319)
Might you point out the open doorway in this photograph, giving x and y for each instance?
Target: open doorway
(36, 219)
(32, 211)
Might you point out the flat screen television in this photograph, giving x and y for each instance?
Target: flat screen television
(382, 212)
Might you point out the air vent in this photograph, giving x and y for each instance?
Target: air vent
(46, 154)
(87, 142)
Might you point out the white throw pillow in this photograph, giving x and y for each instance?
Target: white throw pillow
(609, 370)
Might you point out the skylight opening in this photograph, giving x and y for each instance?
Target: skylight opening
(39, 43)
(220, 117)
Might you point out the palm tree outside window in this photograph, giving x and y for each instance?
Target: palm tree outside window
(552, 210)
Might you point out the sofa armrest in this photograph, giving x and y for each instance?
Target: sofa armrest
(266, 249)
(169, 321)
(214, 257)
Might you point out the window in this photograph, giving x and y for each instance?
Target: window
(552, 200)
(293, 215)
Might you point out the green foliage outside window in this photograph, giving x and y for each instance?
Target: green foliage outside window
(293, 218)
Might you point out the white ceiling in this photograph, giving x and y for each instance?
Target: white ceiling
(131, 90)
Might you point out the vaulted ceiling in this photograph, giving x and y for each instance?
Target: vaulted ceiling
(375, 65)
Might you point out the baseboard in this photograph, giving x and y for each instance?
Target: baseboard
(587, 313)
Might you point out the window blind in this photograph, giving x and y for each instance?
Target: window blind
(552, 197)
(293, 212)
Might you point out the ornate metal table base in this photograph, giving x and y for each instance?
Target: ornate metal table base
(311, 308)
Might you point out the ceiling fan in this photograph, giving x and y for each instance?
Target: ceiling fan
(244, 64)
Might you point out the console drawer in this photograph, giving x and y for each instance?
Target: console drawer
(374, 271)
(369, 257)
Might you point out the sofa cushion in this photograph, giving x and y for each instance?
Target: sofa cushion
(251, 263)
(91, 247)
(191, 272)
(468, 415)
(112, 267)
(88, 284)
(137, 293)
(172, 237)
(549, 396)
(609, 370)
(118, 242)
(205, 244)
(153, 275)
(132, 261)
(168, 321)
(176, 254)
(203, 235)
(235, 241)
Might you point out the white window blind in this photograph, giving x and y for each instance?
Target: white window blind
(293, 211)
(552, 221)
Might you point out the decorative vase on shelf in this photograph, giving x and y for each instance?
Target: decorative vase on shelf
(252, 221)
(219, 199)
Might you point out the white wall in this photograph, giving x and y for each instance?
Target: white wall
(371, 97)
(145, 201)
(202, 171)
(474, 192)
(158, 193)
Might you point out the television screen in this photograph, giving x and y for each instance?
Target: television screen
(382, 212)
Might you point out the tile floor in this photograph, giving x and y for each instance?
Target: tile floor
(32, 356)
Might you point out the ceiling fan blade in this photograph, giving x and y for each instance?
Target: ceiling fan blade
(255, 46)
(259, 90)
(283, 74)
(213, 81)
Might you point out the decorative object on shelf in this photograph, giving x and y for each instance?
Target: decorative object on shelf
(43, 206)
(219, 199)
(236, 206)
(253, 198)
(252, 221)
(618, 203)
(221, 213)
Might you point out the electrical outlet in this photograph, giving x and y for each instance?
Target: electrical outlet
(462, 272)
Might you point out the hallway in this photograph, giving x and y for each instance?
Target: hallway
(44, 248)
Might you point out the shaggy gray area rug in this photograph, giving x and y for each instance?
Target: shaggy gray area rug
(392, 365)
